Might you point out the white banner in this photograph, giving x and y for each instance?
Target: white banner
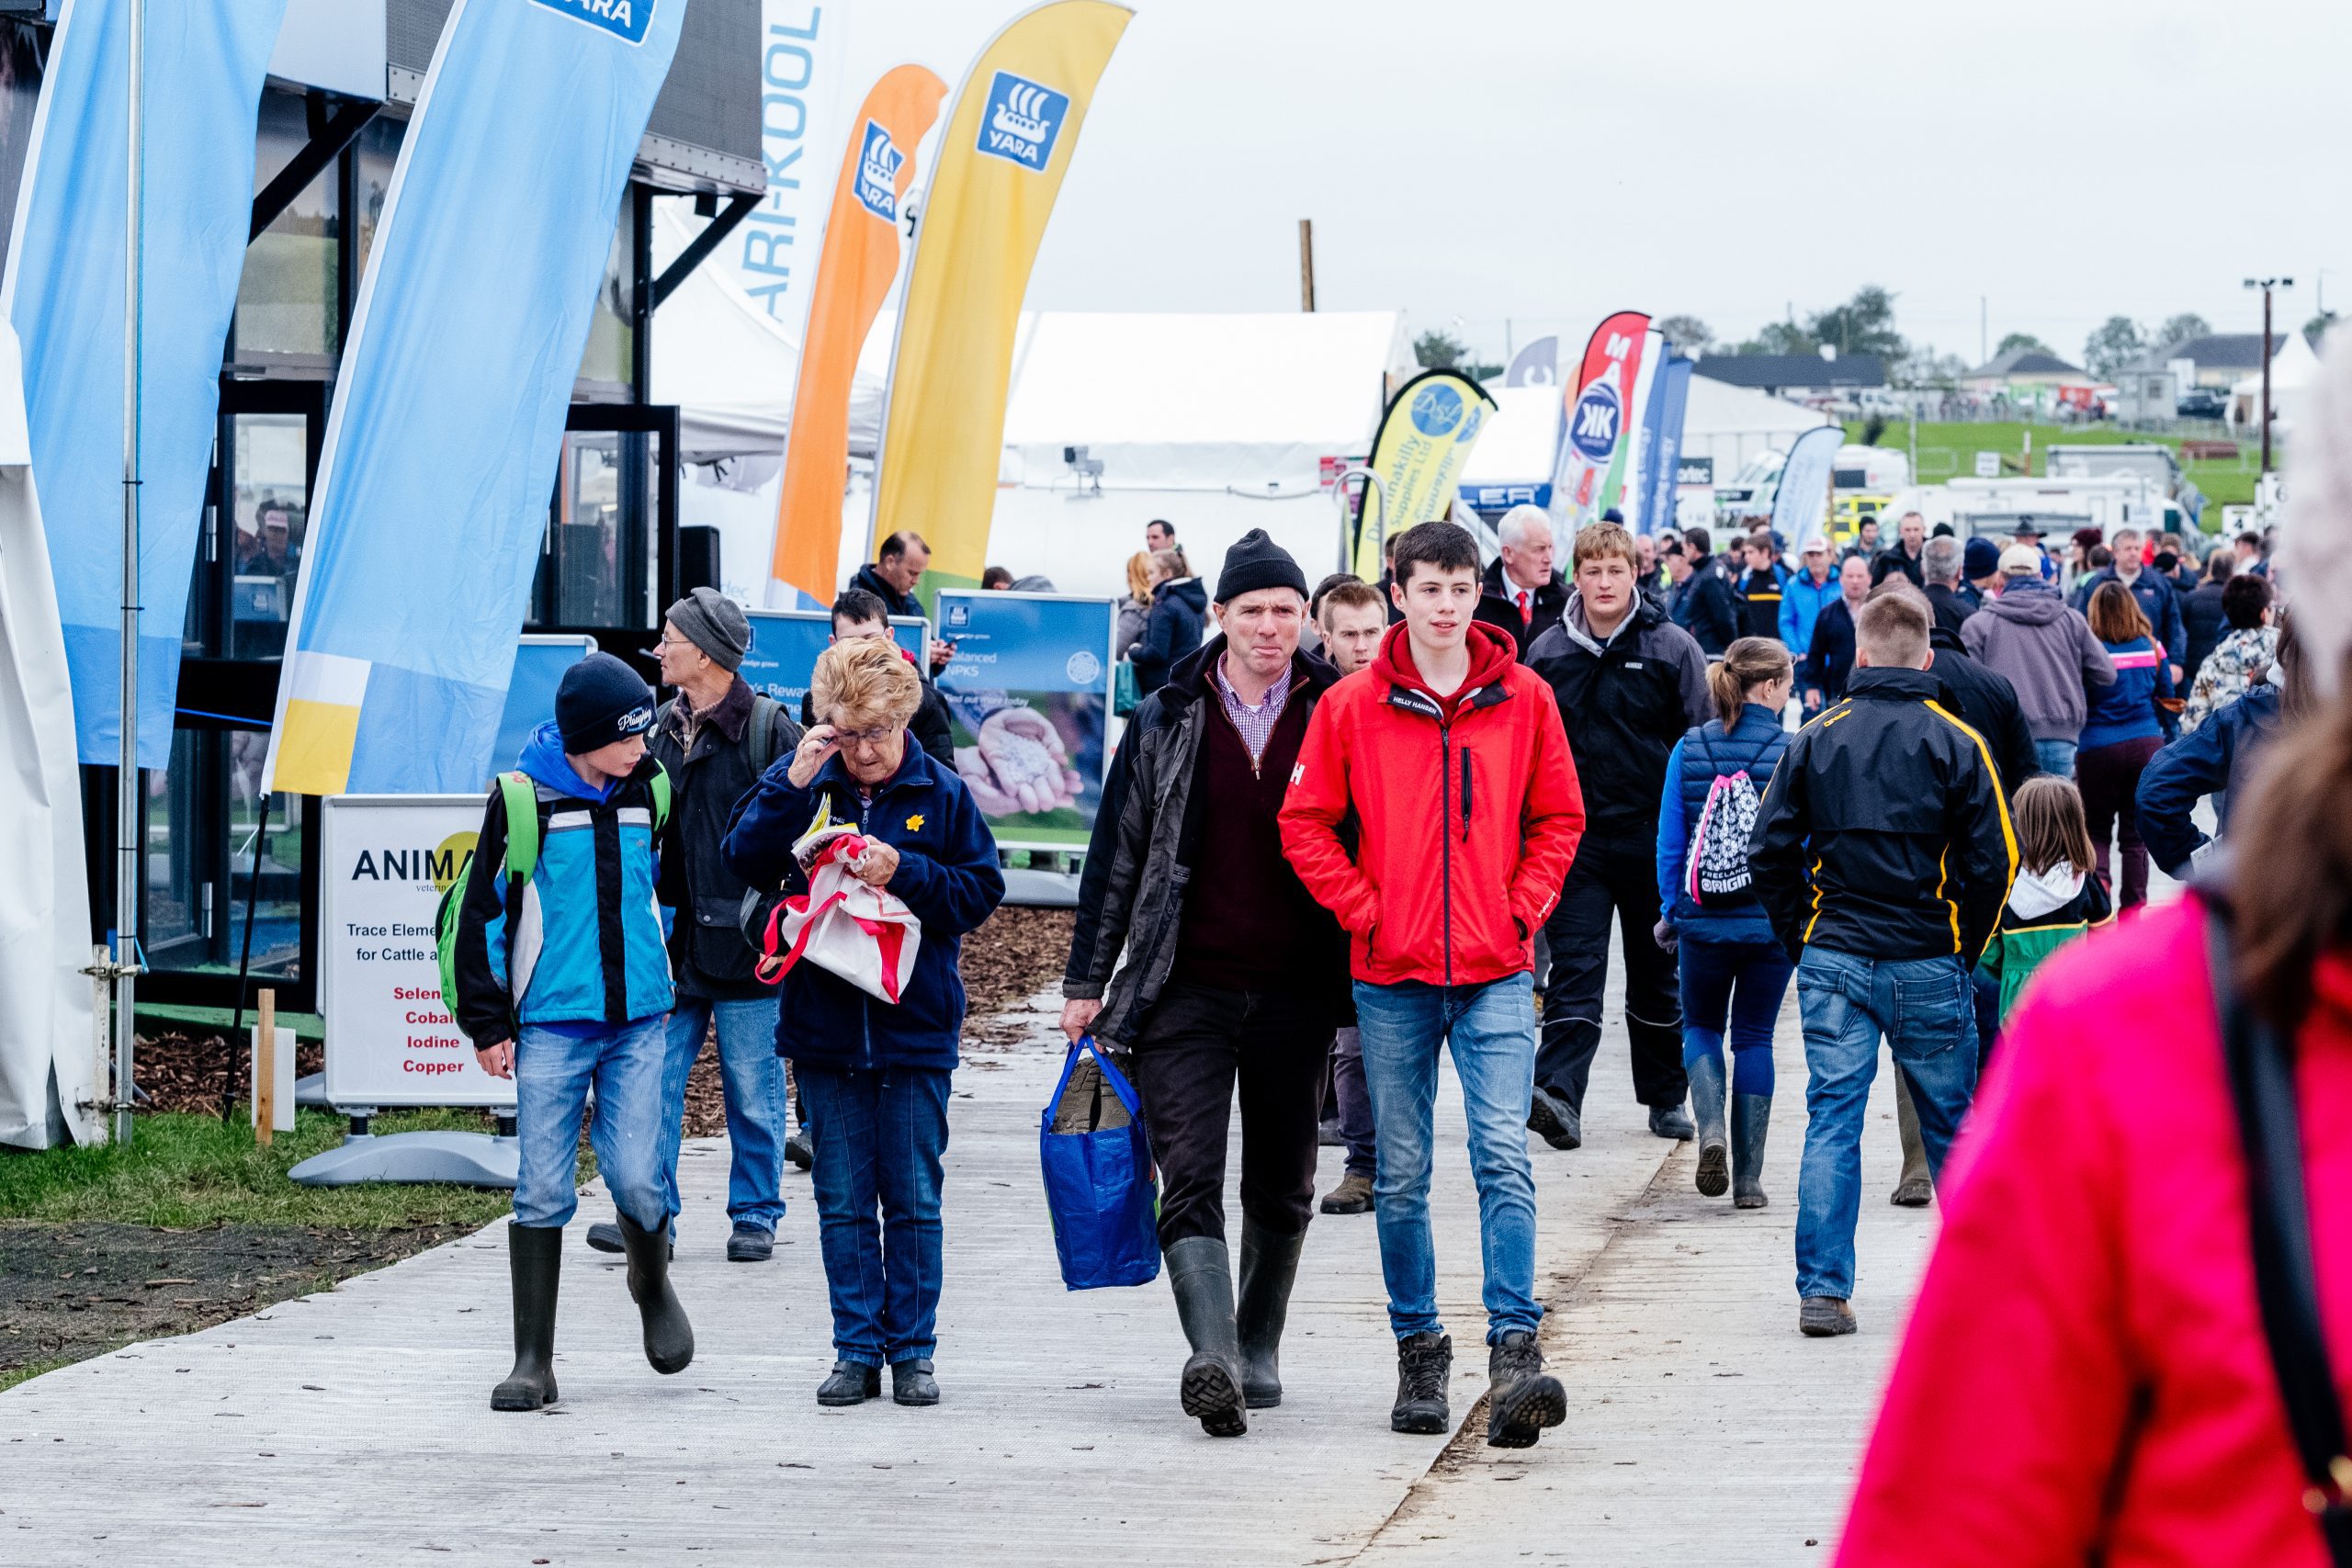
(385, 861)
(1801, 497)
(804, 46)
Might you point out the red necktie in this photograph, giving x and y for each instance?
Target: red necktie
(1526, 616)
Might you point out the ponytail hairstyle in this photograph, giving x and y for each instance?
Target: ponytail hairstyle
(2048, 813)
(1751, 662)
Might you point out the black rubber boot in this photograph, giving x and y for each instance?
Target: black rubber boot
(911, 1382)
(1269, 1264)
(669, 1338)
(1424, 1361)
(534, 1262)
(1707, 1103)
(850, 1383)
(1202, 1275)
(1751, 1118)
(1523, 1398)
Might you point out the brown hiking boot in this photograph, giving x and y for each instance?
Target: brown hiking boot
(1351, 1196)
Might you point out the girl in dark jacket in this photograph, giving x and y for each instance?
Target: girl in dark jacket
(1171, 628)
(2121, 733)
(1733, 967)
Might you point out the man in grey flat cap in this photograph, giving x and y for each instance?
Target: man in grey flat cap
(716, 738)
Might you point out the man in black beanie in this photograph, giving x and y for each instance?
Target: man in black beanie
(715, 739)
(564, 986)
(1234, 974)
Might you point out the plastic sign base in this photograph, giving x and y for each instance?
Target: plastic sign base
(462, 1159)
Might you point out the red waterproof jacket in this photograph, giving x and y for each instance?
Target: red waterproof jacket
(2085, 1378)
(1466, 815)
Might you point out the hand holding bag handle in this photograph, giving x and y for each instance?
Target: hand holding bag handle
(2262, 1085)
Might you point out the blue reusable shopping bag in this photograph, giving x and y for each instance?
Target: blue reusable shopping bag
(1100, 1185)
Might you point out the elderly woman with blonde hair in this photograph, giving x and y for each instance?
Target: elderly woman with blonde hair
(874, 1074)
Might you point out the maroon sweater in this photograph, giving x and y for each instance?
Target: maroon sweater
(1249, 923)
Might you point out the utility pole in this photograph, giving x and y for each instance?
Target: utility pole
(1984, 330)
(130, 801)
(1307, 263)
(2267, 285)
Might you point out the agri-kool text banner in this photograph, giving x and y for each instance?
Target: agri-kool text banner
(1425, 438)
(432, 492)
(63, 293)
(1592, 446)
(1030, 690)
(1007, 144)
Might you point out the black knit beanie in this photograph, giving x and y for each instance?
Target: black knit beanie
(600, 701)
(1255, 561)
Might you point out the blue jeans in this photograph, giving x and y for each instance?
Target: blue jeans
(1740, 983)
(1927, 1009)
(752, 1074)
(1355, 1103)
(2054, 757)
(553, 1068)
(878, 1138)
(1491, 1029)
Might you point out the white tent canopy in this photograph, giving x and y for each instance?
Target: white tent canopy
(1731, 424)
(2293, 370)
(48, 1039)
(1520, 442)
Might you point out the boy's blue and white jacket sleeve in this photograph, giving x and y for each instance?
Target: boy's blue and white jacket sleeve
(483, 1008)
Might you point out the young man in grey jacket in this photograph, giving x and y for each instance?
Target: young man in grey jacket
(2027, 635)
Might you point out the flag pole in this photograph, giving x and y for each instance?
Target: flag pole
(129, 802)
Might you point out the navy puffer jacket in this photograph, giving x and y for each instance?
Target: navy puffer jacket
(1705, 754)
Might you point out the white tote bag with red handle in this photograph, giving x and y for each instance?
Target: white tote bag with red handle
(865, 934)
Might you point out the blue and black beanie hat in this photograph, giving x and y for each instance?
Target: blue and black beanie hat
(600, 701)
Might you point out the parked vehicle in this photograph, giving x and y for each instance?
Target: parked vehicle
(2203, 402)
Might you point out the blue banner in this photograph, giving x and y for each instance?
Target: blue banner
(1030, 690)
(786, 643)
(539, 664)
(1673, 399)
(63, 293)
(432, 492)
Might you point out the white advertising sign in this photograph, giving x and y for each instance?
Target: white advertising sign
(385, 861)
(772, 257)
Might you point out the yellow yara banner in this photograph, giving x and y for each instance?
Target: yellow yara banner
(1425, 437)
(1000, 163)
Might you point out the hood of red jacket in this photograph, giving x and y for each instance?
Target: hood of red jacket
(1492, 653)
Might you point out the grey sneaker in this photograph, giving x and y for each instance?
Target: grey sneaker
(1825, 1317)
(1524, 1399)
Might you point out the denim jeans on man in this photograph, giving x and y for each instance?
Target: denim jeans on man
(1926, 1010)
(554, 1066)
(2055, 758)
(752, 1076)
(879, 1135)
(1491, 1029)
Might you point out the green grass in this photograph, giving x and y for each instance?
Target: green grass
(183, 1170)
(2226, 483)
(11, 1376)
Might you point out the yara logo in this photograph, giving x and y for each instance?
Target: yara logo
(878, 174)
(623, 18)
(1022, 120)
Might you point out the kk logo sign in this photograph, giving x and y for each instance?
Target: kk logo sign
(878, 174)
(1594, 430)
(625, 19)
(1022, 121)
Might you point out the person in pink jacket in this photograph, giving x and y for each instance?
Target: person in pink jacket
(2086, 1377)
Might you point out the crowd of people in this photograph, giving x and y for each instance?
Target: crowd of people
(1347, 831)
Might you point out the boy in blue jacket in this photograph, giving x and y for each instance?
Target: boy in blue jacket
(874, 1074)
(564, 981)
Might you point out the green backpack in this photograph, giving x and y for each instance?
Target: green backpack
(521, 799)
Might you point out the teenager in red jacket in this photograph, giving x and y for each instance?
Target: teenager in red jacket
(1451, 760)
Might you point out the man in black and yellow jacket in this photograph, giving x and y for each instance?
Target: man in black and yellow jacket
(1883, 853)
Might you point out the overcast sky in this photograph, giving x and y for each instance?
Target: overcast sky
(1548, 161)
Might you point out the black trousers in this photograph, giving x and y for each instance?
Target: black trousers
(1194, 1046)
(1622, 880)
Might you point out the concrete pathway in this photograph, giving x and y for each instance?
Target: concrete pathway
(354, 1426)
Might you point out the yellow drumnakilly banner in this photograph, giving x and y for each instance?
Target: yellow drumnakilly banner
(1425, 438)
(1000, 163)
